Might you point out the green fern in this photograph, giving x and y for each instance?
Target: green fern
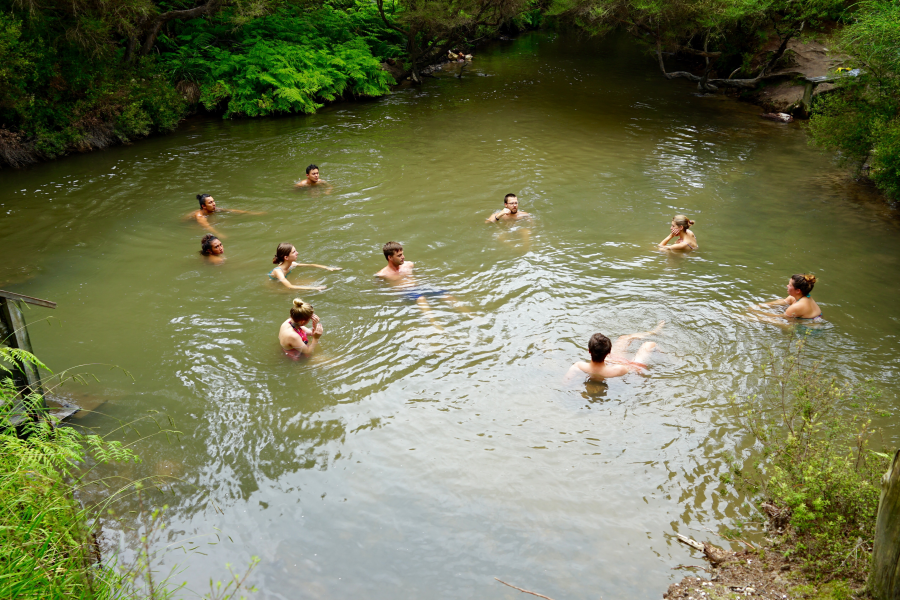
(288, 62)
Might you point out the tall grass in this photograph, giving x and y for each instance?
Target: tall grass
(48, 547)
(48, 539)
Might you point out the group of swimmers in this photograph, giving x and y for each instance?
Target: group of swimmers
(300, 333)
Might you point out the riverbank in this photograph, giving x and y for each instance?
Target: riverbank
(811, 473)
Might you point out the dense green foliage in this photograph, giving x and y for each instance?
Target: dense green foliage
(61, 92)
(811, 469)
(47, 544)
(861, 119)
(79, 76)
(289, 61)
(433, 27)
(82, 75)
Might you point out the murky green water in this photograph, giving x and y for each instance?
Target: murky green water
(402, 463)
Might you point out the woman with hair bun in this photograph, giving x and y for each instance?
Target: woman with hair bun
(211, 248)
(799, 304)
(681, 226)
(285, 257)
(295, 337)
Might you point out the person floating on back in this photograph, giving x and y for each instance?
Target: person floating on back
(285, 255)
(686, 240)
(800, 306)
(295, 337)
(212, 249)
(609, 360)
(208, 207)
(510, 210)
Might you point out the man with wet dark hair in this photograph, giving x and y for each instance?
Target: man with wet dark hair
(208, 207)
(510, 210)
(609, 360)
(312, 178)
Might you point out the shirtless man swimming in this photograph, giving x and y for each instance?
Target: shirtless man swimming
(208, 207)
(399, 271)
(608, 359)
(510, 210)
(312, 178)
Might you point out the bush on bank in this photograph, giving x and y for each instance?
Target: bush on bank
(861, 119)
(69, 80)
(812, 471)
(292, 60)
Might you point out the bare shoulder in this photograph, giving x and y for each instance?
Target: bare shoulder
(302, 183)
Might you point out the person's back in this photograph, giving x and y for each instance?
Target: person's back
(608, 360)
(601, 370)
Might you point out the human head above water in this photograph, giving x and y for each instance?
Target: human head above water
(210, 244)
(301, 311)
(283, 250)
(310, 168)
(599, 347)
(508, 196)
(682, 221)
(201, 198)
(390, 249)
(803, 283)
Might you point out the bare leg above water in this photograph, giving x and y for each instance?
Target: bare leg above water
(426, 310)
(620, 346)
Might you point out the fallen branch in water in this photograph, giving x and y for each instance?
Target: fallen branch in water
(521, 590)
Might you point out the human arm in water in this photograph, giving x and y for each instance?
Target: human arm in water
(279, 275)
(204, 223)
(240, 212)
(684, 244)
(497, 215)
(574, 371)
(313, 333)
(679, 246)
(669, 237)
(318, 266)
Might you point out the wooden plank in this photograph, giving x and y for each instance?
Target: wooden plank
(26, 376)
(884, 578)
(28, 299)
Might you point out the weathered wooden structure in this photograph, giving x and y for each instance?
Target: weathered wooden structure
(884, 579)
(14, 334)
(810, 84)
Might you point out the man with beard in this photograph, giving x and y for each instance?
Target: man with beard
(510, 210)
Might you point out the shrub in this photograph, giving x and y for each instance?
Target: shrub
(861, 119)
(290, 61)
(811, 470)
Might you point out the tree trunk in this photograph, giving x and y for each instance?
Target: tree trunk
(156, 25)
(884, 580)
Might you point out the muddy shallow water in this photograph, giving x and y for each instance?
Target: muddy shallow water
(404, 463)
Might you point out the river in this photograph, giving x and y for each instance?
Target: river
(401, 462)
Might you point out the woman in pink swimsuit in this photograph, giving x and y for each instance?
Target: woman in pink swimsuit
(295, 337)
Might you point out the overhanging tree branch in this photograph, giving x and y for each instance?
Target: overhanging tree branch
(156, 24)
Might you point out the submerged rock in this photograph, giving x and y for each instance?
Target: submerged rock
(780, 117)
